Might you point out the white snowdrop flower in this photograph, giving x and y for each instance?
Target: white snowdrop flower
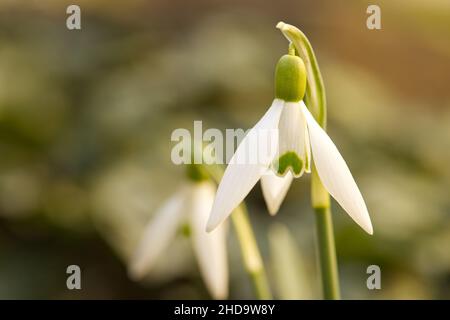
(300, 141)
(191, 205)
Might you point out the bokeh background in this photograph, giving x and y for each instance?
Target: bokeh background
(86, 118)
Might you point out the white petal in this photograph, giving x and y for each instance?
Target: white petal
(335, 175)
(307, 150)
(292, 140)
(157, 234)
(274, 189)
(210, 248)
(243, 172)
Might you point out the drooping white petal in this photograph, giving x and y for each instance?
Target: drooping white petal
(274, 189)
(293, 155)
(251, 159)
(307, 150)
(158, 234)
(335, 174)
(210, 248)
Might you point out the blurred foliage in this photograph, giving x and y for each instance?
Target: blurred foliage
(86, 118)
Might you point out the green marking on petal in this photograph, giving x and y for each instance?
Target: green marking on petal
(185, 230)
(289, 159)
(307, 165)
(307, 162)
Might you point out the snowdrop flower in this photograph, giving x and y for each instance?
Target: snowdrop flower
(300, 140)
(190, 205)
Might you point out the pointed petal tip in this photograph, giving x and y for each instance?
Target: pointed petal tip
(365, 224)
(135, 270)
(209, 228)
(274, 190)
(369, 229)
(211, 224)
(221, 295)
(272, 206)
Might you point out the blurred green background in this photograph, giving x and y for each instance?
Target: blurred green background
(86, 118)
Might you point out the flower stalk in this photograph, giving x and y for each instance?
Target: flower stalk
(325, 238)
(250, 253)
(320, 198)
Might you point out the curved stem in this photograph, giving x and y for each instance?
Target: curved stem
(315, 91)
(251, 256)
(250, 253)
(316, 102)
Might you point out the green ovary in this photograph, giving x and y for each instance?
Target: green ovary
(290, 78)
(289, 159)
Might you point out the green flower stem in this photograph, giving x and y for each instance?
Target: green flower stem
(316, 101)
(251, 256)
(325, 237)
(250, 253)
(327, 252)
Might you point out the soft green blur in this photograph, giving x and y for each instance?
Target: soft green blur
(86, 119)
